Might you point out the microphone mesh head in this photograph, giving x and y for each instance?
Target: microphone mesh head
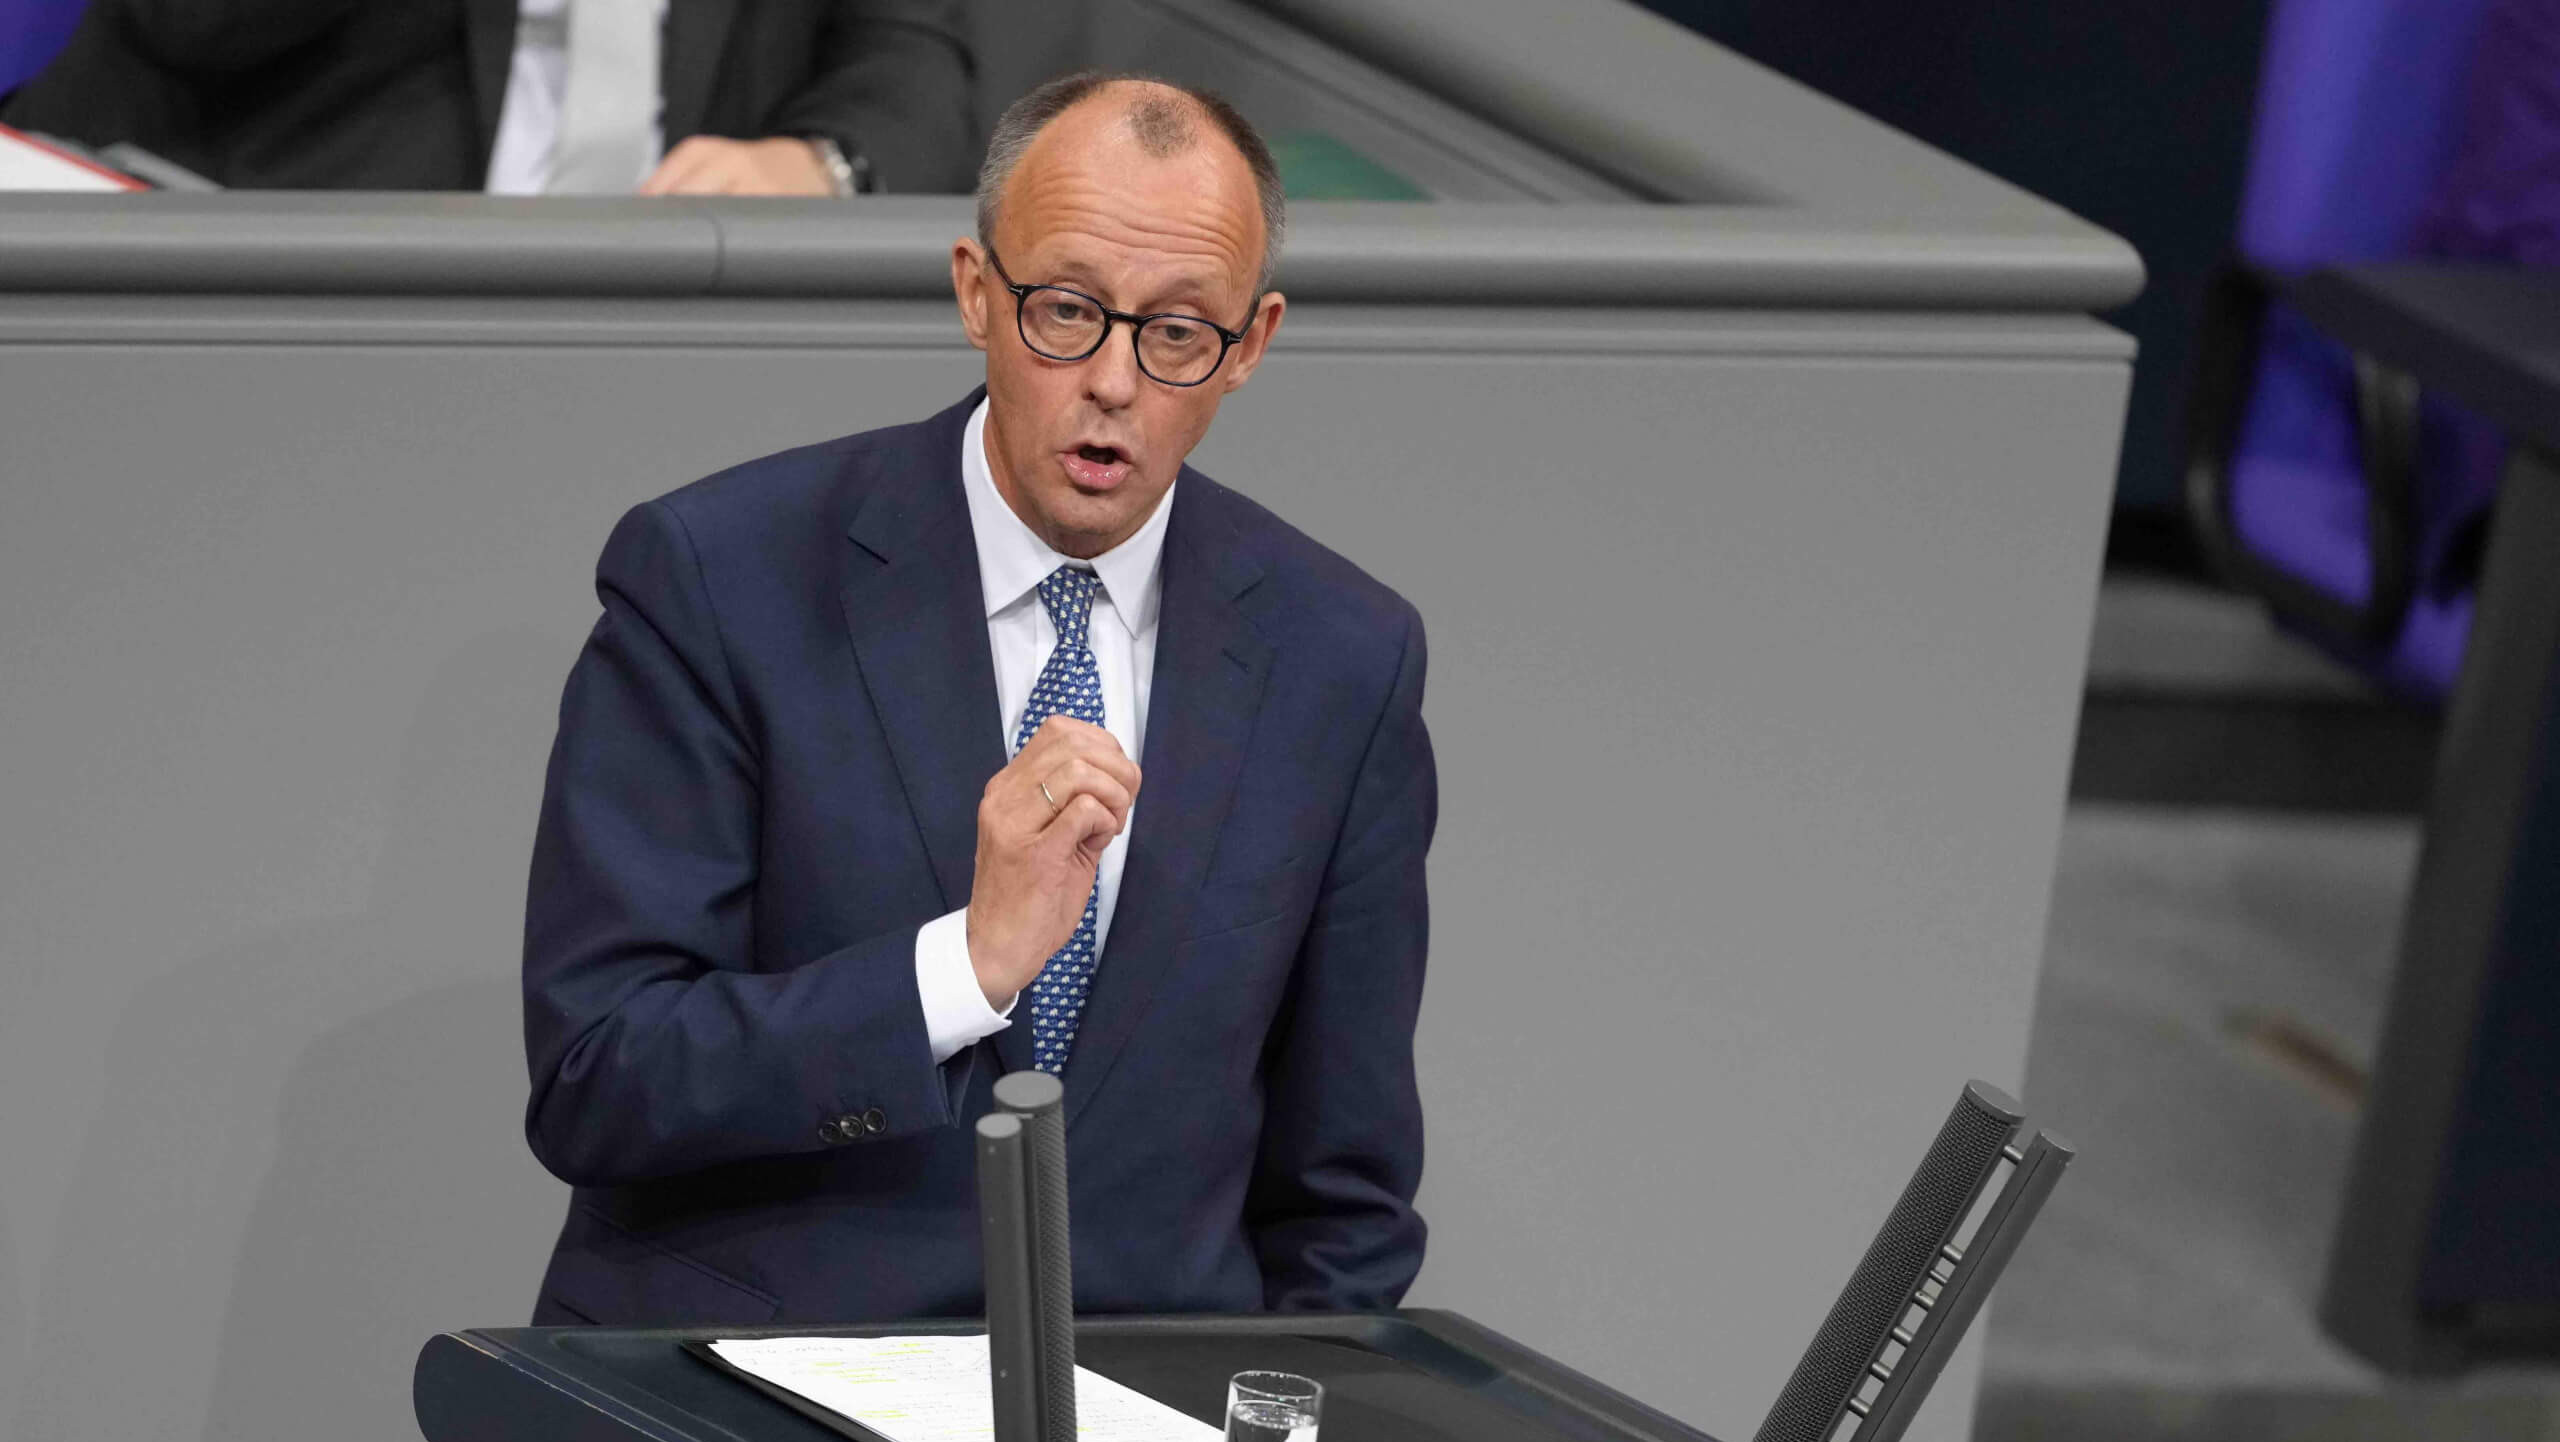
(1932, 1206)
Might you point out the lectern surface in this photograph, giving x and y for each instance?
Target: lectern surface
(1415, 1376)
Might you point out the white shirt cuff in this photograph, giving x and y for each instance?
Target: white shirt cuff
(956, 1014)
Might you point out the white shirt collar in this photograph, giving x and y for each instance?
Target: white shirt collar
(1012, 560)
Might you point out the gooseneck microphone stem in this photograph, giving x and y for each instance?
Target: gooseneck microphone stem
(1038, 1101)
(1004, 1224)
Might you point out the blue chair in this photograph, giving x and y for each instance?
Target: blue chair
(2319, 479)
(32, 32)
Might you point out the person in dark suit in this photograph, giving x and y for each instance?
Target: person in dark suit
(748, 96)
(843, 820)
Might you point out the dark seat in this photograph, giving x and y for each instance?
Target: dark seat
(2318, 479)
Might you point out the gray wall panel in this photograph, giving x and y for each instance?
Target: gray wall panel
(1753, 681)
(1753, 686)
(282, 665)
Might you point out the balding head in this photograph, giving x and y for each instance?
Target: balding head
(1161, 119)
(1120, 284)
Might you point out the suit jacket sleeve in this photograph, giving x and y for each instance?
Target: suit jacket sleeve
(893, 80)
(1331, 1206)
(654, 1045)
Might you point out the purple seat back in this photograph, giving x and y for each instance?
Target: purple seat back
(32, 32)
(2499, 196)
(2357, 109)
(2361, 104)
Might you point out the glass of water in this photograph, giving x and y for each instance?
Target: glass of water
(1273, 1407)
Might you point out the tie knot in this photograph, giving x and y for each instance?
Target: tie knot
(1068, 593)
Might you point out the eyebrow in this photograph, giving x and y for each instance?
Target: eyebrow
(1187, 294)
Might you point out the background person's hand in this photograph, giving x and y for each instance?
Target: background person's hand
(1036, 860)
(715, 165)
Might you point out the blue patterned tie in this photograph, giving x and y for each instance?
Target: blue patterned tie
(1068, 686)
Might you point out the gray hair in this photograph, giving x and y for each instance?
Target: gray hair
(1162, 124)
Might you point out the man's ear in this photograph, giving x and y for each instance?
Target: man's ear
(969, 288)
(1257, 339)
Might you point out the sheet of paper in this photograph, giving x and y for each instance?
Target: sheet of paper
(934, 1389)
(30, 164)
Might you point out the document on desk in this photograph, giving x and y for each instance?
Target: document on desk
(27, 163)
(934, 1389)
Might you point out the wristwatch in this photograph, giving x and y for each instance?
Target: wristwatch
(850, 173)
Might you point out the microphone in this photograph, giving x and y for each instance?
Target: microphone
(1030, 1273)
(1004, 1226)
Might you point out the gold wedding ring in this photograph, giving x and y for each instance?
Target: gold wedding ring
(1054, 807)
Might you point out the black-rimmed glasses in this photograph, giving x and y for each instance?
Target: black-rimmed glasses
(1068, 325)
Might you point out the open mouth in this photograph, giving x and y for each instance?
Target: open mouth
(1097, 467)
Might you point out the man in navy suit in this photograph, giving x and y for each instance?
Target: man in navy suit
(842, 821)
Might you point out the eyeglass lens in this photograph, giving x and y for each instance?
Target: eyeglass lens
(1065, 326)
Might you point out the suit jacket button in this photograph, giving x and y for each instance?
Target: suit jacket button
(851, 1125)
(874, 1121)
(832, 1133)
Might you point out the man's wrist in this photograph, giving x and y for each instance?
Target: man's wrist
(848, 171)
(997, 996)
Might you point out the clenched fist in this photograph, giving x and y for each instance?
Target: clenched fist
(1038, 849)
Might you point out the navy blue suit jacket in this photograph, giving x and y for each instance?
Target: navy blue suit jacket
(766, 779)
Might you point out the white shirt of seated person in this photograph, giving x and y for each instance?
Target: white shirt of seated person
(1012, 562)
(523, 160)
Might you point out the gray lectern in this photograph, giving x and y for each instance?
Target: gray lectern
(1410, 1376)
(1415, 1376)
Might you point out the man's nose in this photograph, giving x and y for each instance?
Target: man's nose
(1111, 376)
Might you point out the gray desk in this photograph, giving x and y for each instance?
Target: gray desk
(1757, 527)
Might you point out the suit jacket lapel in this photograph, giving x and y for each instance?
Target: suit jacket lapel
(1209, 673)
(916, 614)
(689, 61)
(489, 38)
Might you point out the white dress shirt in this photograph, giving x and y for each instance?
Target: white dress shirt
(1012, 562)
(537, 87)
